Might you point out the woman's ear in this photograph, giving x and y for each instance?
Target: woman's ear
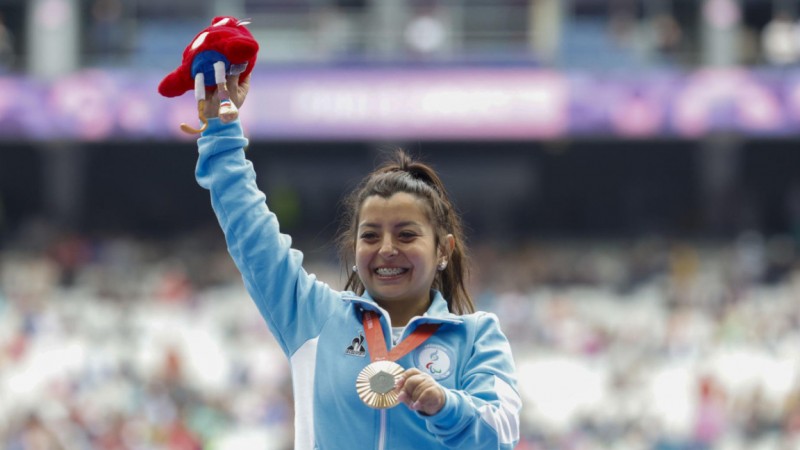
(446, 248)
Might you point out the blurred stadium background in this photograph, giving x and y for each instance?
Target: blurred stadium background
(628, 170)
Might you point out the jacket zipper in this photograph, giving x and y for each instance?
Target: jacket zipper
(382, 435)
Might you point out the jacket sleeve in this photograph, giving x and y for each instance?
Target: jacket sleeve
(294, 304)
(484, 412)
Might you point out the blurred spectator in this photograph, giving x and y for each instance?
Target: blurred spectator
(70, 252)
(710, 417)
(791, 410)
(34, 435)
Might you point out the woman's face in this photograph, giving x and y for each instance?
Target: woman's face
(396, 253)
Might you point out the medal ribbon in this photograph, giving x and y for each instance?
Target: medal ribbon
(377, 344)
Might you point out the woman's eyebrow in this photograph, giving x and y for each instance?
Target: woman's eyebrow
(406, 223)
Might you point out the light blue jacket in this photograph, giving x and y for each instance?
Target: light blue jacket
(320, 331)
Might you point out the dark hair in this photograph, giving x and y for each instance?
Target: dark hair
(401, 173)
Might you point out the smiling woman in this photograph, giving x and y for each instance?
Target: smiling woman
(397, 254)
(451, 368)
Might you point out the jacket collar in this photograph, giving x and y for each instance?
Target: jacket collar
(436, 313)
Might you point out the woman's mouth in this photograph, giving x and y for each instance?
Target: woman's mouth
(390, 271)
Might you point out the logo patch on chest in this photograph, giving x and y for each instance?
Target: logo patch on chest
(434, 360)
(356, 347)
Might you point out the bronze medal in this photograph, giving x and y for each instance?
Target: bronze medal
(375, 384)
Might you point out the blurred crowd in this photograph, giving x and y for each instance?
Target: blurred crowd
(653, 343)
(120, 342)
(115, 343)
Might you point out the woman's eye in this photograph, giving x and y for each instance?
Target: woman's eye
(368, 236)
(407, 235)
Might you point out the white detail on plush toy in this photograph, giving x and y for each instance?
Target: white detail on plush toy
(200, 96)
(198, 41)
(199, 86)
(219, 72)
(222, 22)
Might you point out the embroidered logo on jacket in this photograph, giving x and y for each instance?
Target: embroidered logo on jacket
(434, 360)
(356, 347)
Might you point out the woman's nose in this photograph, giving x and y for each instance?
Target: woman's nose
(387, 248)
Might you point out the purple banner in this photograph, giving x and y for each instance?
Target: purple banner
(434, 104)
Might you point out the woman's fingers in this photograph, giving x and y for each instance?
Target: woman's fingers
(238, 89)
(237, 92)
(420, 392)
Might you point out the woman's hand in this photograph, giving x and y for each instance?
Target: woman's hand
(420, 392)
(237, 90)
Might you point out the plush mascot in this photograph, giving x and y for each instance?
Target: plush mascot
(223, 49)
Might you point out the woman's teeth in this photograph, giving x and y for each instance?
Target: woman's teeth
(389, 271)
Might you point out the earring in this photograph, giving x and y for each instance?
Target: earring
(442, 265)
(355, 268)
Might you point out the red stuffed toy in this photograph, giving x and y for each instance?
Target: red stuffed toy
(225, 48)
